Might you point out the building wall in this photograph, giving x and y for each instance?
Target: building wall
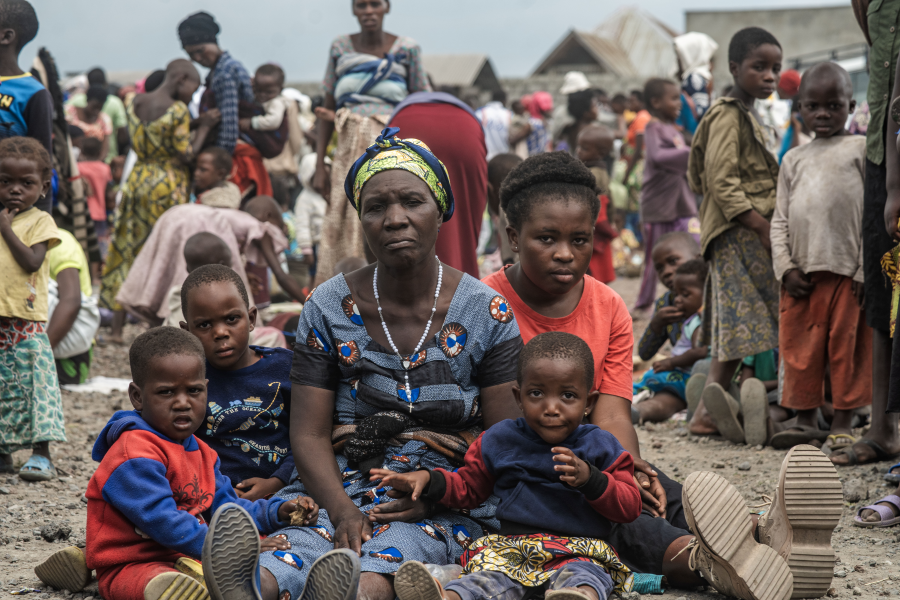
(799, 30)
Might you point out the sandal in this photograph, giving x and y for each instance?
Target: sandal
(38, 468)
(892, 477)
(888, 519)
(755, 410)
(839, 441)
(723, 409)
(880, 454)
(801, 434)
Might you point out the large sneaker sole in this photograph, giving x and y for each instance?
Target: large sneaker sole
(812, 502)
(334, 576)
(755, 408)
(414, 582)
(231, 554)
(65, 569)
(716, 401)
(175, 586)
(718, 515)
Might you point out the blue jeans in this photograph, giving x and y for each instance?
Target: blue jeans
(490, 585)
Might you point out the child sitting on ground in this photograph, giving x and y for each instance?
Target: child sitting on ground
(594, 145)
(249, 387)
(556, 479)
(668, 377)
(817, 252)
(211, 185)
(156, 480)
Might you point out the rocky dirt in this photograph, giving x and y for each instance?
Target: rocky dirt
(37, 519)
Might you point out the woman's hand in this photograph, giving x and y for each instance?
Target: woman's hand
(574, 471)
(414, 483)
(403, 508)
(258, 487)
(653, 496)
(271, 544)
(352, 529)
(320, 181)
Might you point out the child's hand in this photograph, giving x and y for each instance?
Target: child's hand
(245, 124)
(797, 284)
(663, 365)
(271, 544)
(859, 292)
(664, 317)
(574, 471)
(258, 487)
(292, 506)
(414, 483)
(6, 217)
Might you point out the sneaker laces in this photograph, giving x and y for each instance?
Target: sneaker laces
(766, 502)
(695, 549)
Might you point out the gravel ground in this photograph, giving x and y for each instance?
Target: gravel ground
(37, 519)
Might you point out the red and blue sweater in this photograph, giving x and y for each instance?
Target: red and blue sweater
(513, 462)
(151, 497)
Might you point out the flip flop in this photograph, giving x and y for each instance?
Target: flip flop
(887, 515)
(839, 441)
(802, 434)
(38, 468)
(880, 454)
(755, 409)
(693, 391)
(723, 409)
(892, 477)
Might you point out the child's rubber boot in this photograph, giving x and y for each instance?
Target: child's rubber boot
(724, 551)
(755, 410)
(231, 555)
(65, 569)
(414, 581)
(191, 568)
(804, 512)
(723, 409)
(175, 586)
(334, 576)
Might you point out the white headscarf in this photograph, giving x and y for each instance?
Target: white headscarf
(696, 50)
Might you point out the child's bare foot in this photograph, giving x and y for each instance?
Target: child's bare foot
(701, 423)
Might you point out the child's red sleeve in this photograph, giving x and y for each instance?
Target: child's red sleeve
(620, 502)
(469, 486)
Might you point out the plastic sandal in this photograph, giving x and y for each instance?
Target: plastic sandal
(38, 468)
(887, 515)
(839, 441)
(892, 477)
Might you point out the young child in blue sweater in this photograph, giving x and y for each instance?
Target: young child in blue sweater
(556, 479)
(249, 389)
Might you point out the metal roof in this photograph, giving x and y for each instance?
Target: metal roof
(459, 70)
(607, 54)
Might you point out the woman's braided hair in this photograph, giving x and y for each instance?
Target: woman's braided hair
(543, 178)
(29, 149)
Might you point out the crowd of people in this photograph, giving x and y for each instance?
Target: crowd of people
(378, 329)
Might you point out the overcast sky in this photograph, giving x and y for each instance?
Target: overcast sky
(516, 34)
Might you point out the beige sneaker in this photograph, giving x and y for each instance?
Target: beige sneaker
(65, 569)
(725, 552)
(804, 512)
(175, 586)
(414, 582)
(191, 568)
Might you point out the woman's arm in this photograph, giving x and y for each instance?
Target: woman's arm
(324, 131)
(312, 412)
(66, 311)
(498, 404)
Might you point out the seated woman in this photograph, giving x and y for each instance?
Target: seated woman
(406, 361)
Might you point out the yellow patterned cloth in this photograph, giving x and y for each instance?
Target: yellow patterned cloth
(160, 180)
(532, 559)
(890, 264)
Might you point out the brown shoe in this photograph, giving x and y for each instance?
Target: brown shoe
(175, 586)
(805, 510)
(725, 552)
(65, 569)
(414, 582)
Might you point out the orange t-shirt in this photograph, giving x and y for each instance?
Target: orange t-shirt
(601, 319)
(637, 127)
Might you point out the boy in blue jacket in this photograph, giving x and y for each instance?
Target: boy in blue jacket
(556, 479)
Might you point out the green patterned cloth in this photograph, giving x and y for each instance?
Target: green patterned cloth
(30, 402)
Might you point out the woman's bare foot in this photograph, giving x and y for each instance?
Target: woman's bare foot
(701, 423)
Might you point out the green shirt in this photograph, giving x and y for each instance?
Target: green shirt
(116, 111)
(884, 26)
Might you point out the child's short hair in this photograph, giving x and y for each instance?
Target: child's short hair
(91, 148)
(28, 149)
(680, 238)
(830, 70)
(158, 343)
(98, 93)
(655, 88)
(206, 248)
(500, 166)
(212, 274)
(580, 102)
(221, 158)
(19, 16)
(557, 345)
(545, 177)
(154, 80)
(271, 70)
(696, 267)
(746, 41)
(619, 99)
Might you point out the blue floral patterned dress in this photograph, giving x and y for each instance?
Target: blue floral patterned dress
(477, 347)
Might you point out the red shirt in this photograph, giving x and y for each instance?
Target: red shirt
(601, 319)
(98, 174)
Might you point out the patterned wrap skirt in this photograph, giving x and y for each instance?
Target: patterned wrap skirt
(532, 559)
(30, 402)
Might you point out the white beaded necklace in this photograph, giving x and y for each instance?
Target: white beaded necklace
(437, 292)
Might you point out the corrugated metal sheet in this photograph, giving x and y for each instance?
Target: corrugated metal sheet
(647, 42)
(454, 69)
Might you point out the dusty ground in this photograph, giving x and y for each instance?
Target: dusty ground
(865, 565)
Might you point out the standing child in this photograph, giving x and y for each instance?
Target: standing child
(737, 175)
(668, 377)
(667, 202)
(594, 145)
(249, 389)
(31, 412)
(817, 253)
(561, 485)
(98, 175)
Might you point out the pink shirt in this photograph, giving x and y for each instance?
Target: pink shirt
(98, 174)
